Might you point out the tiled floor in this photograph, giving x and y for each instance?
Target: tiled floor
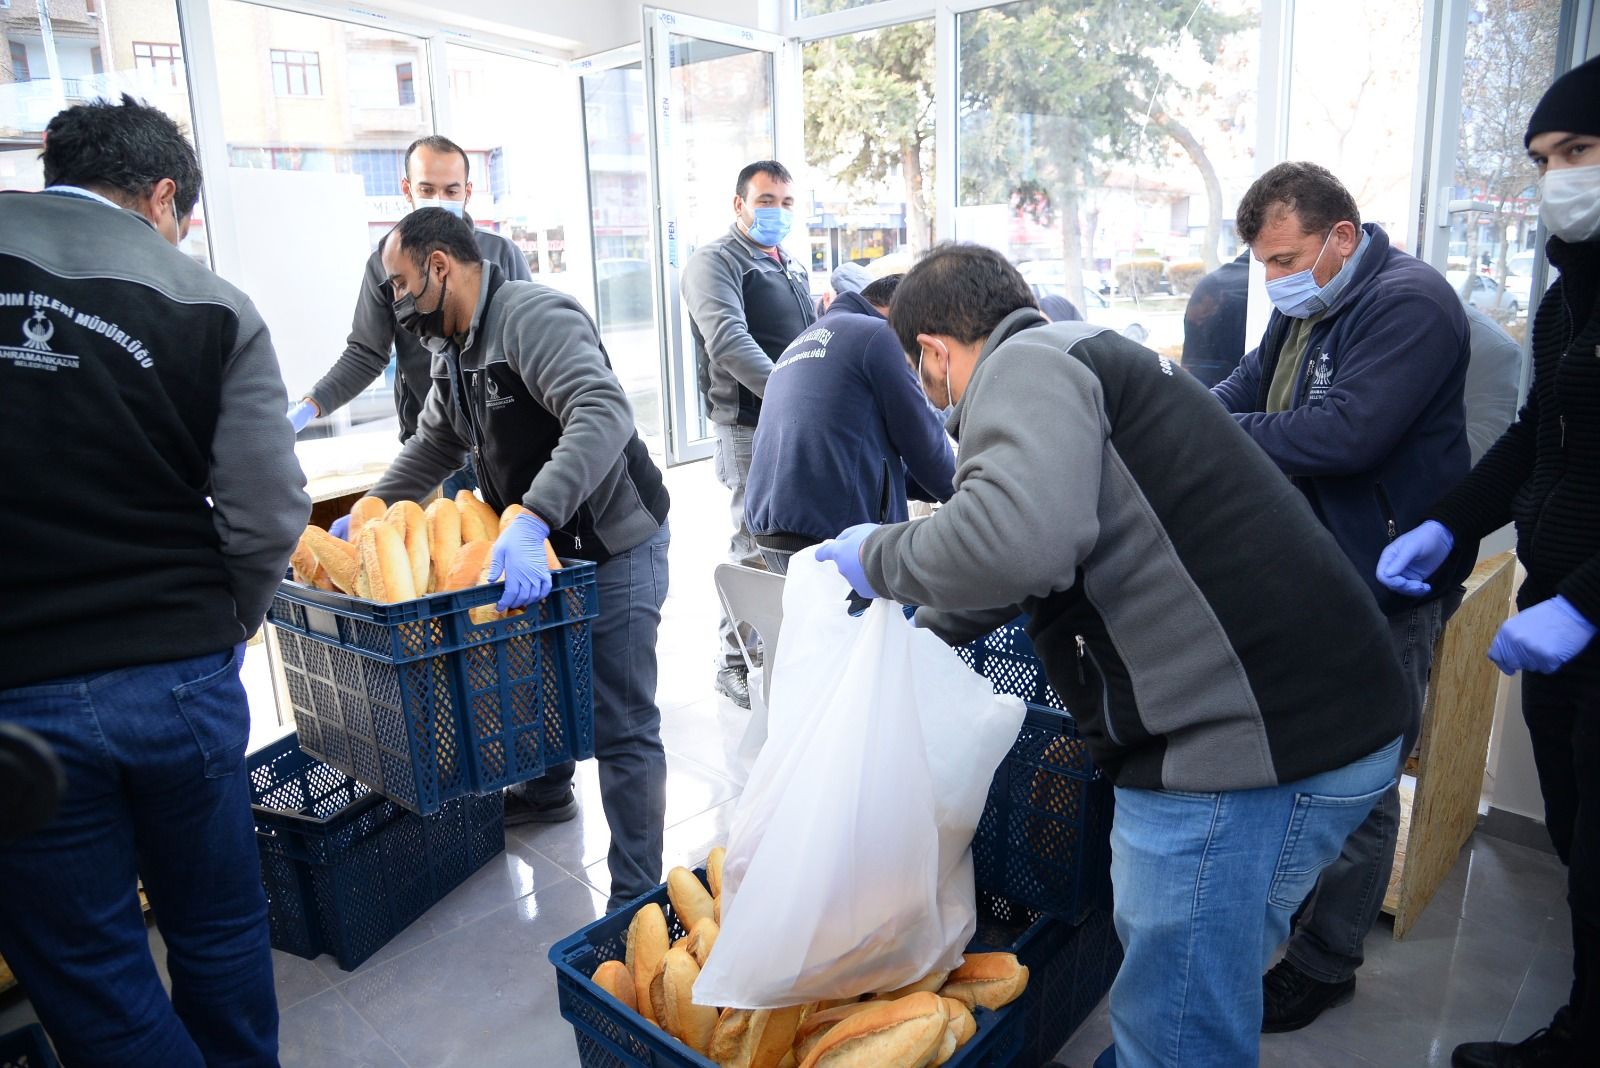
(469, 983)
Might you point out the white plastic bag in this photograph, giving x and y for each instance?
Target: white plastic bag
(849, 865)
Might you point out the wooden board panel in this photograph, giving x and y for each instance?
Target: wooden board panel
(1455, 743)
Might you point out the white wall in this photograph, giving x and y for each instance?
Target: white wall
(595, 26)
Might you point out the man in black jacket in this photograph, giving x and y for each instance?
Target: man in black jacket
(524, 386)
(1356, 394)
(1544, 473)
(154, 501)
(437, 175)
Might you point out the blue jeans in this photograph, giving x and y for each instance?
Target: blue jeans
(1329, 936)
(1206, 884)
(632, 588)
(156, 789)
(464, 479)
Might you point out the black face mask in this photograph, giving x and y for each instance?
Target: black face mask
(421, 323)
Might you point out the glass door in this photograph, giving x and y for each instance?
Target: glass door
(713, 91)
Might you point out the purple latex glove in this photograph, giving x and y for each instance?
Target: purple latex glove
(845, 551)
(1542, 638)
(301, 414)
(518, 557)
(340, 528)
(1413, 556)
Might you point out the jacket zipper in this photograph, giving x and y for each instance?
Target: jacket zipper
(1388, 511)
(1105, 687)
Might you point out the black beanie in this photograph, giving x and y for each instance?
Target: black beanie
(1570, 105)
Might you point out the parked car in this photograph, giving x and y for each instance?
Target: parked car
(1519, 276)
(1485, 293)
(1049, 278)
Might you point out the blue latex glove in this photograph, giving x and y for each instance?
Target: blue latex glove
(1413, 556)
(341, 528)
(1542, 638)
(845, 551)
(519, 558)
(300, 415)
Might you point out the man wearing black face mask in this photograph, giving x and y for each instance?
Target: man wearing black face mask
(437, 175)
(523, 385)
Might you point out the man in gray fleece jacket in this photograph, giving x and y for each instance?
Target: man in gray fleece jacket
(1222, 658)
(522, 383)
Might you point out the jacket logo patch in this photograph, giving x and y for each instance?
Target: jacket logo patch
(496, 399)
(1322, 377)
(35, 351)
(1166, 366)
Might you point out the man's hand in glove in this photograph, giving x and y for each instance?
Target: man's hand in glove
(1542, 638)
(1413, 556)
(845, 551)
(519, 558)
(301, 414)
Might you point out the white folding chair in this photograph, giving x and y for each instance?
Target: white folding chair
(751, 595)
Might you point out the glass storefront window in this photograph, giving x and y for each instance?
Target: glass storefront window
(84, 52)
(1106, 157)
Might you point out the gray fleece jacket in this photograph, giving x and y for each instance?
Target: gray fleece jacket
(1201, 625)
(529, 392)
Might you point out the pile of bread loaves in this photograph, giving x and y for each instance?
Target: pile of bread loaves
(400, 552)
(917, 1026)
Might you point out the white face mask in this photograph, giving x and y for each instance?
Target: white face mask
(950, 397)
(1569, 202)
(454, 207)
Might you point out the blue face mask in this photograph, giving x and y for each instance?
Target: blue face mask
(454, 207)
(1298, 295)
(771, 226)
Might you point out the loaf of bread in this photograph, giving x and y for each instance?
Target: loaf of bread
(908, 1033)
(754, 1038)
(408, 518)
(818, 1023)
(444, 538)
(961, 1021)
(614, 978)
(339, 557)
(478, 521)
(302, 564)
(719, 856)
(689, 899)
(700, 940)
(511, 512)
(647, 946)
(987, 980)
(366, 510)
(931, 982)
(385, 564)
(681, 1018)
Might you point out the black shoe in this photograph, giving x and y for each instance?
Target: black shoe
(1548, 1047)
(520, 810)
(734, 684)
(1291, 999)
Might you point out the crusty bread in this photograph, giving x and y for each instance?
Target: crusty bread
(685, 1021)
(366, 510)
(322, 580)
(714, 863)
(647, 945)
(614, 978)
(444, 538)
(385, 564)
(511, 512)
(302, 564)
(961, 1021)
(754, 1038)
(550, 558)
(820, 1021)
(468, 567)
(987, 980)
(947, 1047)
(909, 1031)
(700, 940)
(478, 521)
(408, 518)
(930, 982)
(689, 899)
(338, 556)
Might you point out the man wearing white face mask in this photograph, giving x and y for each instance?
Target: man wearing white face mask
(1544, 474)
(437, 175)
(1356, 394)
(747, 300)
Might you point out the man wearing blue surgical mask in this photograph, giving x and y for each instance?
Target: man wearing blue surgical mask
(747, 300)
(1355, 392)
(437, 175)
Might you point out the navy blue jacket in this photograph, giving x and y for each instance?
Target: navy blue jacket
(1377, 430)
(842, 422)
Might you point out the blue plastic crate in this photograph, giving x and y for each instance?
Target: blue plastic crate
(424, 705)
(27, 1047)
(1044, 839)
(610, 1035)
(345, 869)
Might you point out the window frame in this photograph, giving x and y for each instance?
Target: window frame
(279, 59)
